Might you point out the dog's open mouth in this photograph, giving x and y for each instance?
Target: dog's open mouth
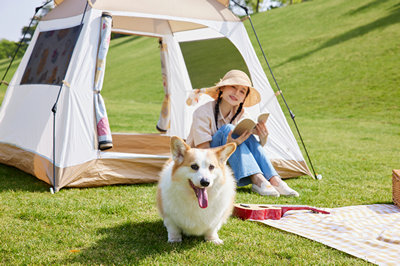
(201, 194)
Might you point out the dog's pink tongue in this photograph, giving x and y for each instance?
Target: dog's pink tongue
(202, 197)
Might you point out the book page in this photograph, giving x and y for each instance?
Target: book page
(242, 126)
(249, 124)
(262, 118)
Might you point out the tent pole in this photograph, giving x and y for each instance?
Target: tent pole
(20, 42)
(279, 89)
(54, 110)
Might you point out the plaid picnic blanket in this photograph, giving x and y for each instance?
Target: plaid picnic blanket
(369, 232)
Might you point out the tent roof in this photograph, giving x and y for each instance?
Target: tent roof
(126, 12)
(224, 2)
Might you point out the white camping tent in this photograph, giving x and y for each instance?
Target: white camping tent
(70, 44)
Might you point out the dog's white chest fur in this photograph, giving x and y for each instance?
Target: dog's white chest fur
(177, 201)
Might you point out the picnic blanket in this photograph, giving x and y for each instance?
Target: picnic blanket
(369, 232)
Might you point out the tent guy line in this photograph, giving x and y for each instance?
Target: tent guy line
(292, 115)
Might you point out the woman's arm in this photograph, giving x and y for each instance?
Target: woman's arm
(204, 145)
(238, 141)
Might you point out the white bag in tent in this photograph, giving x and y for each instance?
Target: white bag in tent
(58, 51)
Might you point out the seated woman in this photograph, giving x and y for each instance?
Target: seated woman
(212, 126)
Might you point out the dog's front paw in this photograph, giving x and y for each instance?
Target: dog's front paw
(214, 239)
(174, 239)
(217, 241)
(174, 233)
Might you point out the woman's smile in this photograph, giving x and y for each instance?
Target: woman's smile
(233, 98)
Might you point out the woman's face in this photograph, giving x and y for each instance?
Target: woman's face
(234, 95)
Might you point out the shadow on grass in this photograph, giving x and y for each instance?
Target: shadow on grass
(126, 40)
(392, 18)
(245, 190)
(383, 202)
(130, 243)
(366, 7)
(14, 179)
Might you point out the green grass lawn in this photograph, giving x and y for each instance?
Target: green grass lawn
(337, 63)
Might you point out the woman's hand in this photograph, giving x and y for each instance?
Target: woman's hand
(239, 140)
(261, 130)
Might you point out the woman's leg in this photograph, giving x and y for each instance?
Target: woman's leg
(243, 164)
(241, 161)
(267, 168)
(261, 157)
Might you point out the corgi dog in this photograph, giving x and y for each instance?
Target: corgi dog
(196, 191)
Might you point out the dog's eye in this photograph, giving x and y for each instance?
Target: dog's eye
(211, 167)
(195, 167)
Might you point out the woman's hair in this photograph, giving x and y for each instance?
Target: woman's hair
(216, 111)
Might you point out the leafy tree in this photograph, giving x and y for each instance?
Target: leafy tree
(35, 20)
(7, 49)
(289, 2)
(254, 5)
(29, 32)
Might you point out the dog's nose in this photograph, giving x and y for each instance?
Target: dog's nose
(204, 182)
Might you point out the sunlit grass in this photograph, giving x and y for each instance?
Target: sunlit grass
(337, 64)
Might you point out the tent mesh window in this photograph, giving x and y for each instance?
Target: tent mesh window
(207, 61)
(51, 56)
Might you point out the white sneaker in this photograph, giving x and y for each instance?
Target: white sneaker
(285, 190)
(266, 189)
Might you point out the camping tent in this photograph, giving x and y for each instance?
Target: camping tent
(65, 63)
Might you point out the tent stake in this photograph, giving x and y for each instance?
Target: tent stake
(279, 89)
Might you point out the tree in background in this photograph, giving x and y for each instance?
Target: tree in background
(30, 31)
(252, 5)
(290, 2)
(256, 6)
(8, 48)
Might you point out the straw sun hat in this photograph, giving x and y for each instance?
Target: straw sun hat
(236, 77)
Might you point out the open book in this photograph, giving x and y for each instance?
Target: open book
(249, 124)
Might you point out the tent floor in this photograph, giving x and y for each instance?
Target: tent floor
(155, 144)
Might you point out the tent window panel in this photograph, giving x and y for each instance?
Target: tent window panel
(51, 56)
(207, 61)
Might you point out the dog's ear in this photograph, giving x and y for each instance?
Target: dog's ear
(178, 149)
(224, 152)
